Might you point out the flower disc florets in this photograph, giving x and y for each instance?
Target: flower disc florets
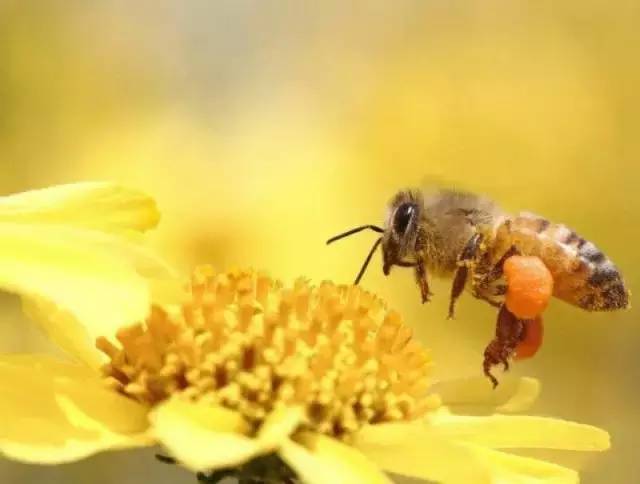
(243, 341)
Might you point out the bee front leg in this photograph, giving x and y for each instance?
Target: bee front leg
(467, 255)
(421, 279)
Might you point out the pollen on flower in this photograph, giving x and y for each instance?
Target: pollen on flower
(246, 342)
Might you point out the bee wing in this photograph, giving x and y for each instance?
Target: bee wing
(455, 206)
(435, 182)
(432, 184)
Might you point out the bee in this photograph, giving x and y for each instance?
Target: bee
(467, 238)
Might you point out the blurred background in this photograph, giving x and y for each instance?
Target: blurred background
(263, 128)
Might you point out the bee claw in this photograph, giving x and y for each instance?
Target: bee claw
(509, 333)
(493, 379)
(426, 297)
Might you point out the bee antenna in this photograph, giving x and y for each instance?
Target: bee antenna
(375, 228)
(367, 260)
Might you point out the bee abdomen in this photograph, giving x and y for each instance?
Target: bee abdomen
(583, 274)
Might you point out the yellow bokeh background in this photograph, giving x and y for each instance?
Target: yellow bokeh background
(262, 128)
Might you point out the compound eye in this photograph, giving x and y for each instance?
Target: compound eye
(402, 217)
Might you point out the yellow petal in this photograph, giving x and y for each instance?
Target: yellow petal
(64, 265)
(318, 459)
(513, 469)
(510, 431)
(132, 250)
(98, 205)
(77, 336)
(202, 437)
(64, 330)
(476, 395)
(53, 412)
(280, 424)
(415, 449)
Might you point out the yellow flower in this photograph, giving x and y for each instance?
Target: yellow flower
(326, 378)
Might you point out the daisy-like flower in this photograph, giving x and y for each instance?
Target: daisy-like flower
(319, 384)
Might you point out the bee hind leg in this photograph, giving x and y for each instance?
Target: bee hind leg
(510, 331)
(467, 255)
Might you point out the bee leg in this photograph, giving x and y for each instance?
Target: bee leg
(459, 281)
(496, 271)
(495, 298)
(509, 332)
(486, 289)
(421, 279)
(462, 272)
(495, 304)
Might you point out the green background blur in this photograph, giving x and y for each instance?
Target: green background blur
(263, 127)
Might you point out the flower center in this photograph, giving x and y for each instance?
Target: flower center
(245, 342)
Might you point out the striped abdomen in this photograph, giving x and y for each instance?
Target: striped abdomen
(583, 275)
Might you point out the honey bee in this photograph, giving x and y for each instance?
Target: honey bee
(467, 237)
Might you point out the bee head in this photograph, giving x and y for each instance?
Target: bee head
(400, 235)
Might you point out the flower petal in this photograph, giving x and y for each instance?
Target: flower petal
(203, 437)
(98, 205)
(476, 395)
(318, 459)
(510, 431)
(415, 449)
(64, 330)
(522, 470)
(66, 265)
(280, 424)
(53, 412)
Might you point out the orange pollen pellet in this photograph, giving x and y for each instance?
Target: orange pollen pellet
(529, 286)
(533, 334)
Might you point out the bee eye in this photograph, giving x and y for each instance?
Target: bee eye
(402, 217)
